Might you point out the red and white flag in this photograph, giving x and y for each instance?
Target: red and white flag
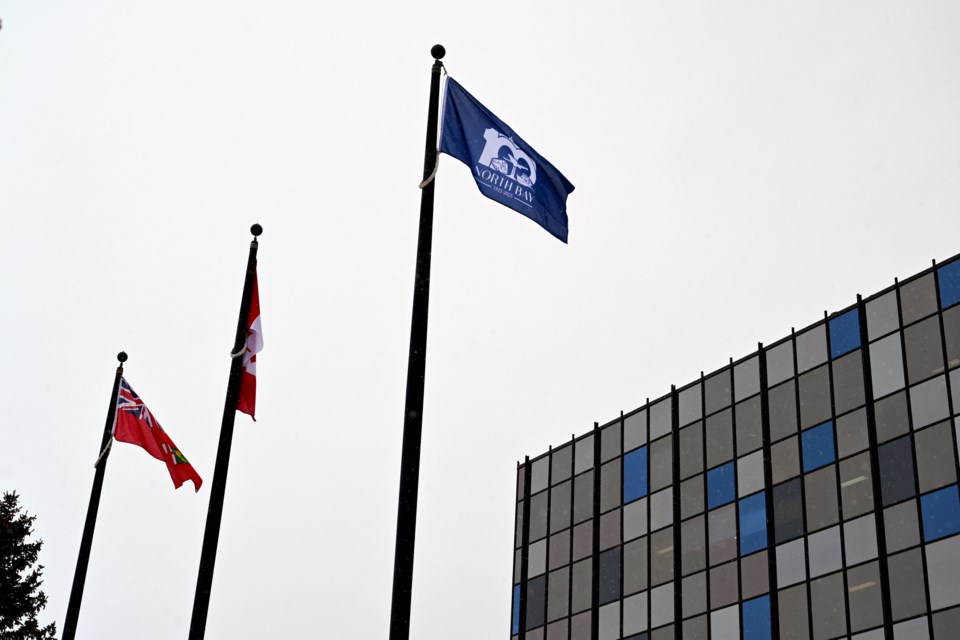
(135, 424)
(247, 398)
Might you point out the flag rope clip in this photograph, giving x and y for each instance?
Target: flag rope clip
(103, 453)
(239, 353)
(433, 174)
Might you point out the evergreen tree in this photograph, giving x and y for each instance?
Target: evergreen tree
(20, 595)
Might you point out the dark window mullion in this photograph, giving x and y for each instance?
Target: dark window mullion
(768, 496)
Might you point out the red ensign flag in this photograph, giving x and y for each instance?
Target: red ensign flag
(247, 398)
(135, 424)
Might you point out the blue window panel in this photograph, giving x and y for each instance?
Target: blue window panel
(818, 447)
(721, 488)
(756, 619)
(844, 333)
(941, 513)
(753, 523)
(949, 277)
(635, 475)
(515, 625)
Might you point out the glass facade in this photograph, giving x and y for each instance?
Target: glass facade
(808, 491)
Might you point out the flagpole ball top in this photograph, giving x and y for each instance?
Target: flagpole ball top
(122, 356)
(256, 230)
(437, 51)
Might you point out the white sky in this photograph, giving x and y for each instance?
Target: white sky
(740, 167)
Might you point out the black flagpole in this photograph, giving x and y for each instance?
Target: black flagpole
(83, 558)
(211, 535)
(416, 367)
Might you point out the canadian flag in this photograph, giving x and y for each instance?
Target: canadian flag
(247, 398)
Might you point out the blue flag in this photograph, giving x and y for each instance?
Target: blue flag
(505, 167)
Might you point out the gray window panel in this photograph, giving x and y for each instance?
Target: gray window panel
(661, 459)
(901, 526)
(896, 471)
(661, 557)
(955, 389)
(936, 461)
(928, 402)
(876, 634)
(725, 624)
(882, 315)
(661, 421)
(724, 585)
(538, 516)
(860, 539)
(635, 614)
(722, 526)
(951, 335)
(783, 411)
(558, 594)
(609, 623)
(583, 540)
(664, 633)
(746, 378)
(943, 572)
(537, 559)
(916, 629)
(852, 433)
(691, 497)
(755, 575)
(848, 382)
(694, 594)
(907, 593)
(610, 576)
(540, 475)
(779, 363)
(535, 634)
(856, 486)
(863, 591)
(635, 566)
(750, 474)
(717, 391)
(824, 552)
(611, 486)
(749, 426)
(719, 438)
(891, 417)
(695, 629)
(582, 497)
(610, 529)
(635, 519)
(791, 563)
(924, 349)
(886, 365)
(580, 626)
(518, 534)
(560, 506)
(516, 567)
(635, 430)
(785, 459)
(693, 545)
(815, 397)
(558, 630)
(610, 442)
(583, 455)
(521, 478)
(560, 549)
(561, 464)
(691, 405)
(661, 509)
(536, 602)
(691, 450)
(918, 299)
(820, 492)
(828, 607)
(788, 511)
(812, 348)
(582, 579)
(794, 614)
(661, 605)
(946, 623)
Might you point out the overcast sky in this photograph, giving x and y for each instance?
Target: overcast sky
(740, 167)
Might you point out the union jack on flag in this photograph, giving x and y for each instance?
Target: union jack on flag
(135, 424)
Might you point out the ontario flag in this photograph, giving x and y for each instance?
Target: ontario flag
(135, 424)
(247, 397)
